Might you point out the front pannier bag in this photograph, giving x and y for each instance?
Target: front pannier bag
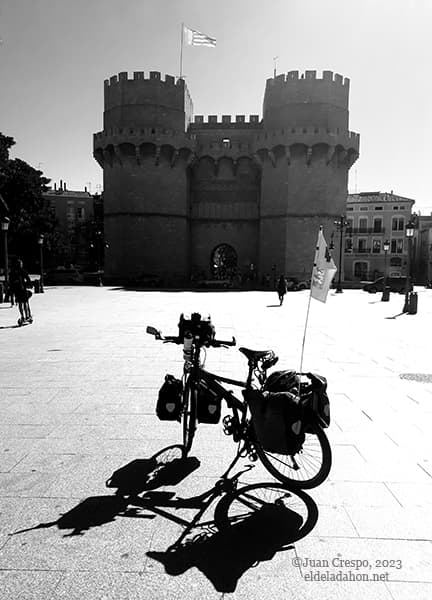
(277, 420)
(169, 403)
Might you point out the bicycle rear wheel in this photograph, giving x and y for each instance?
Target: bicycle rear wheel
(306, 469)
(189, 416)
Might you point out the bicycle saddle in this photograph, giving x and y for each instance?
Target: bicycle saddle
(255, 354)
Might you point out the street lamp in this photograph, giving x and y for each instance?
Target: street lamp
(385, 294)
(409, 232)
(40, 242)
(340, 224)
(5, 227)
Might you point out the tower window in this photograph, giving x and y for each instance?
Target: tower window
(226, 142)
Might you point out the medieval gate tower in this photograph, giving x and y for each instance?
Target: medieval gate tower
(183, 194)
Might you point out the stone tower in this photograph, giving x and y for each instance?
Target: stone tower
(178, 189)
(305, 150)
(144, 152)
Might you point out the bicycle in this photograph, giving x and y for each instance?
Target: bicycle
(307, 468)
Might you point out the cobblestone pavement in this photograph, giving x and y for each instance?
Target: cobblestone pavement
(77, 397)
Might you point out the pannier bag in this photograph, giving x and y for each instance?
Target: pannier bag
(209, 404)
(314, 397)
(169, 403)
(317, 399)
(277, 420)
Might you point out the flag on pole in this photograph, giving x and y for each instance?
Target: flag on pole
(323, 271)
(196, 38)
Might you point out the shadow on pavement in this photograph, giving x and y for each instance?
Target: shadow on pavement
(253, 534)
(250, 523)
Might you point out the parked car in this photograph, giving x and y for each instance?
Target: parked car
(396, 284)
(63, 276)
(294, 284)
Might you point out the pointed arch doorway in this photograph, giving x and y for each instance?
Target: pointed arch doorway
(224, 262)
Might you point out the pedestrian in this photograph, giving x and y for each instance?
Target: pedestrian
(281, 289)
(19, 281)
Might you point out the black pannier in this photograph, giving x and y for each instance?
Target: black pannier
(277, 420)
(170, 399)
(209, 404)
(316, 399)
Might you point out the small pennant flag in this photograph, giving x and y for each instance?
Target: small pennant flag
(323, 271)
(195, 38)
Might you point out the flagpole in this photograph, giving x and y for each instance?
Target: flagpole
(181, 52)
(309, 303)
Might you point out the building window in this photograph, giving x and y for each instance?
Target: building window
(378, 208)
(396, 246)
(377, 225)
(363, 223)
(226, 142)
(398, 223)
(376, 246)
(80, 213)
(363, 208)
(360, 270)
(348, 245)
(395, 207)
(350, 208)
(349, 227)
(362, 246)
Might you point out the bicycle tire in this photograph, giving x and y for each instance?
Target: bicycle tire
(246, 501)
(313, 461)
(189, 416)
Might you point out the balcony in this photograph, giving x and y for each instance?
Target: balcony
(364, 231)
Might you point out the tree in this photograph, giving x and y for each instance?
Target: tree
(22, 187)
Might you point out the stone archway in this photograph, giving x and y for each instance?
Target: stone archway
(224, 261)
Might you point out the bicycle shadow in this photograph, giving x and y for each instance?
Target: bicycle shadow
(223, 557)
(166, 467)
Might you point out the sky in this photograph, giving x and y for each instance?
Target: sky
(55, 55)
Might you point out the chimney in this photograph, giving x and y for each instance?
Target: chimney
(85, 188)
(64, 186)
(61, 185)
(55, 187)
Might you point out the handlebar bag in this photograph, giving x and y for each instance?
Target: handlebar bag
(277, 421)
(170, 399)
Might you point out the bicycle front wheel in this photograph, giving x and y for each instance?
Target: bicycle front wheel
(306, 469)
(189, 416)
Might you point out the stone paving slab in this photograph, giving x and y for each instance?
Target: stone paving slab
(77, 397)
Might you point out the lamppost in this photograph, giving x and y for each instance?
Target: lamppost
(385, 294)
(409, 232)
(340, 225)
(5, 227)
(98, 247)
(40, 242)
(274, 276)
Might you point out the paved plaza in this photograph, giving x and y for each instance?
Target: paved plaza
(78, 389)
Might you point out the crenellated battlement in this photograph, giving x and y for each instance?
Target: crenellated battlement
(307, 76)
(142, 132)
(226, 122)
(139, 76)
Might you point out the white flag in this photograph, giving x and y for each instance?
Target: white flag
(323, 271)
(195, 38)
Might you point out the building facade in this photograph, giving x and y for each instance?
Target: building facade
(74, 211)
(190, 197)
(373, 218)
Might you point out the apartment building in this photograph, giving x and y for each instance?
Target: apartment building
(374, 218)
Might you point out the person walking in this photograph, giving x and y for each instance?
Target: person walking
(20, 281)
(281, 289)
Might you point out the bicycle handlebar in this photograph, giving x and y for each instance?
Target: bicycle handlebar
(176, 340)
